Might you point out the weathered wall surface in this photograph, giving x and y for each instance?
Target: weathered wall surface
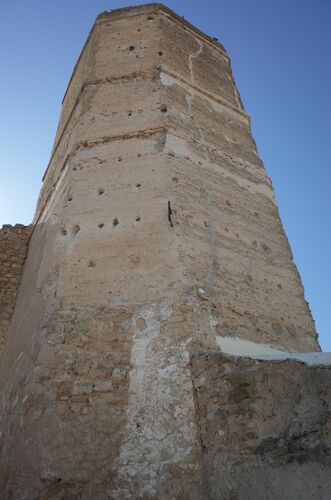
(154, 189)
(143, 74)
(13, 248)
(265, 427)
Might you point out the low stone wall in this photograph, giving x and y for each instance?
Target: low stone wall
(13, 248)
(264, 426)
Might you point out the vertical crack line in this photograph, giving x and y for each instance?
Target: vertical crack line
(212, 244)
(169, 214)
(193, 56)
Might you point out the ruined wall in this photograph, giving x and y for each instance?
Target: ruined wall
(13, 248)
(264, 426)
(154, 189)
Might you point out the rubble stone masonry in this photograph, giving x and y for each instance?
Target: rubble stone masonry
(13, 249)
(264, 427)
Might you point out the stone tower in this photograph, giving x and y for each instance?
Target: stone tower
(156, 242)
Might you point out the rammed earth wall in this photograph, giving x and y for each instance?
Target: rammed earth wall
(156, 232)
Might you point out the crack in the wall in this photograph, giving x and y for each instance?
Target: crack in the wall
(205, 482)
(193, 56)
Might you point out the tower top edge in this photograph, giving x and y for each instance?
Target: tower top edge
(155, 8)
(148, 8)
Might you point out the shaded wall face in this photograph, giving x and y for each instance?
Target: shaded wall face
(154, 189)
(13, 248)
(264, 427)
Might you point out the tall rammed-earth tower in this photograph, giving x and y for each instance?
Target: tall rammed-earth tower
(156, 238)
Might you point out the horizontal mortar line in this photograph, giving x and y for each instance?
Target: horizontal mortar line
(143, 75)
(212, 97)
(144, 134)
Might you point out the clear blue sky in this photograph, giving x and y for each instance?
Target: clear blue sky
(280, 53)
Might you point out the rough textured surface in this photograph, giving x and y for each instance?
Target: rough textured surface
(152, 115)
(154, 190)
(265, 427)
(13, 248)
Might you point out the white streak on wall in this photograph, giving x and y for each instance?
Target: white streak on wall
(236, 346)
(154, 436)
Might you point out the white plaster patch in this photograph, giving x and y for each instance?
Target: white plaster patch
(236, 346)
(153, 434)
(167, 80)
